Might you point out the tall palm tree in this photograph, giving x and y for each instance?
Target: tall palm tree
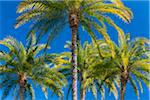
(21, 67)
(94, 72)
(51, 16)
(132, 63)
(134, 56)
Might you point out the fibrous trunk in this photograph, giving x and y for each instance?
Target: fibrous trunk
(73, 20)
(22, 80)
(124, 80)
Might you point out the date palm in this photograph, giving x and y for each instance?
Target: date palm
(134, 56)
(22, 67)
(132, 61)
(94, 72)
(51, 16)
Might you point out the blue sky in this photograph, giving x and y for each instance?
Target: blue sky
(139, 27)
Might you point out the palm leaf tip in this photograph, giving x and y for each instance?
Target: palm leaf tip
(127, 14)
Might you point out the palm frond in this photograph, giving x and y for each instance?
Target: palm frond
(133, 84)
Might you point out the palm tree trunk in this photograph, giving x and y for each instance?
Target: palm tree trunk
(22, 80)
(73, 20)
(122, 91)
(83, 90)
(74, 65)
(124, 80)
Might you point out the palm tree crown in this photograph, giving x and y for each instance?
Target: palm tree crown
(51, 16)
(132, 63)
(21, 67)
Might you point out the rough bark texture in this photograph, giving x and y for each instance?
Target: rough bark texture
(22, 80)
(73, 20)
(124, 80)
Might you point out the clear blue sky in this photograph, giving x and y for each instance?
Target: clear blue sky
(138, 27)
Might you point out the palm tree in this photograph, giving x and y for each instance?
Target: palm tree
(21, 67)
(132, 63)
(94, 72)
(134, 60)
(51, 16)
